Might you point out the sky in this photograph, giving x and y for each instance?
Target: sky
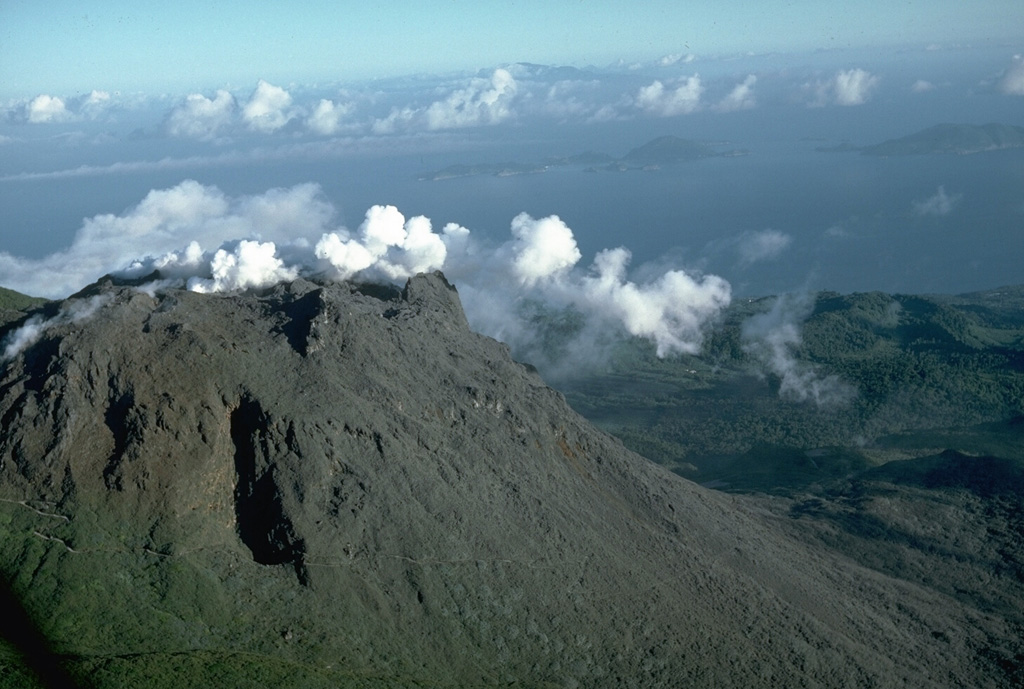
(72, 47)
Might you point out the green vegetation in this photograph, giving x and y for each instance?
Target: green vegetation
(929, 373)
(16, 301)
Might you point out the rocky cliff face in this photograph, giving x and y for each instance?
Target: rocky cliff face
(334, 485)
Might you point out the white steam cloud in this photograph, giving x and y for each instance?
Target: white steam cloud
(34, 328)
(387, 246)
(195, 236)
(771, 339)
(539, 265)
(938, 205)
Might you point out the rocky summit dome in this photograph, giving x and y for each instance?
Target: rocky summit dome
(342, 485)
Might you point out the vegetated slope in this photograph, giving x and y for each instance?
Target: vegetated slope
(11, 303)
(951, 138)
(332, 485)
(926, 374)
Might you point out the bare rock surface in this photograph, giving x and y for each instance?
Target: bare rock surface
(347, 480)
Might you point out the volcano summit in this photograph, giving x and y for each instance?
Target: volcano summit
(342, 485)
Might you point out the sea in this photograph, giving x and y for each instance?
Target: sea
(842, 221)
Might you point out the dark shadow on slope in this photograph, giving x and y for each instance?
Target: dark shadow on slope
(984, 476)
(301, 313)
(116, 419)
(37, 658)
(262, 523)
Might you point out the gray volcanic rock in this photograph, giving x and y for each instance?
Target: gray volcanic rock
(335, 485)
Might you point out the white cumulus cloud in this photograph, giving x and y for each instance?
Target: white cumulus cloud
(1012, 82)
(662, 101)
(477, 102)
(761, 246)
(327, 116)
(482, 102)
(44, 108)
(741, 97)
(268, 108)
(847, 87)
(199, 117)
(938, 204)
(854, 86)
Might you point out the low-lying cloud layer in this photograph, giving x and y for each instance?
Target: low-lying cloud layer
(510, 93)
(50, 109)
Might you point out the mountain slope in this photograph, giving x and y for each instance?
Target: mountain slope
(333, 485)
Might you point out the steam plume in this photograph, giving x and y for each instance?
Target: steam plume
(195, 236)
(771, 339)
(35, 327)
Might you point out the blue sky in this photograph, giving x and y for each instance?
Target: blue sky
(65, 47)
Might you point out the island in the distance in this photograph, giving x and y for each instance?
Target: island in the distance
(665, 150)
(960, 139)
